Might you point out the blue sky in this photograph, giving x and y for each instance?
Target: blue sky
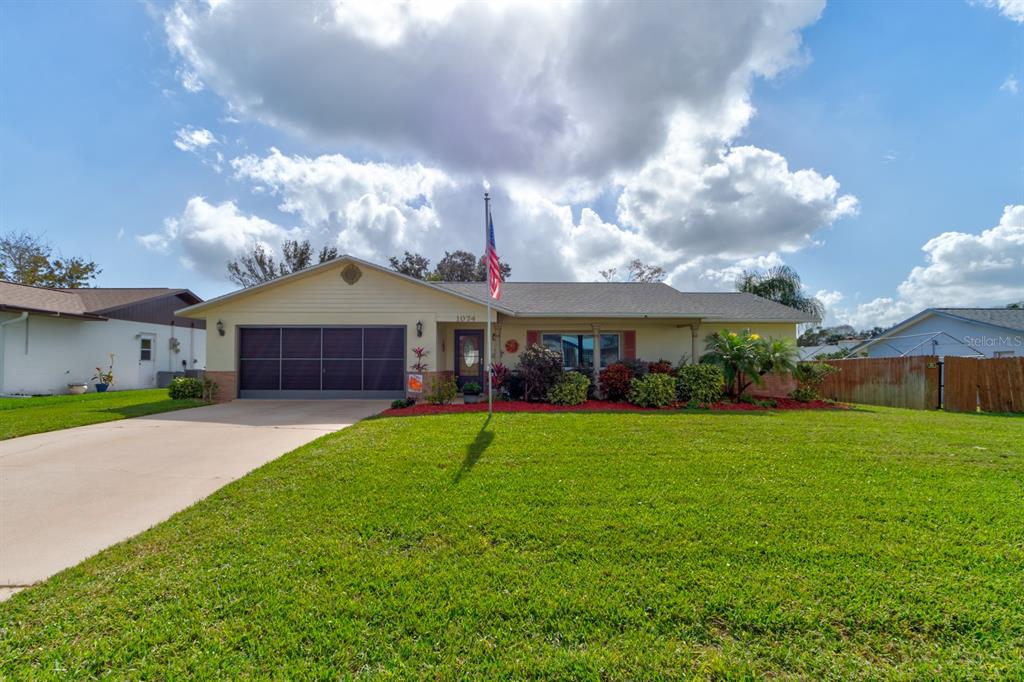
(911, 108)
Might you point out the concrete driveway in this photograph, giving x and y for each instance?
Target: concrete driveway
(68, 494)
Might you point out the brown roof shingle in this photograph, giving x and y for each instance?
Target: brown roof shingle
(90, 303)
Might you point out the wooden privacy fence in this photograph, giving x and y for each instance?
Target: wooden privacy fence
(922, 382)
(990, 384)
(893, 382)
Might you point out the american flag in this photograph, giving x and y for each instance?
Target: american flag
(493, 264)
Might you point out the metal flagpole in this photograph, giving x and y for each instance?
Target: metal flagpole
(487, 293)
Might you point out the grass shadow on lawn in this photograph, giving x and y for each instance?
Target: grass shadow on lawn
(483, 439)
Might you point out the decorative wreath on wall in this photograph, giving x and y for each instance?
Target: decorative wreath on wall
(511, 345)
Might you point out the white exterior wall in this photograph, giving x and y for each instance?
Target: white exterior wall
(67, 350)
(968, 337)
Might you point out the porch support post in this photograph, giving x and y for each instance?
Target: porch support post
(596, 368)
(693, 342)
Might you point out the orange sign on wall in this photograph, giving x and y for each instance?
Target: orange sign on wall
(414, 383)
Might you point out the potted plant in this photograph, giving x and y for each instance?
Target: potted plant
(78, 388)
(471, 392)
(104, 378)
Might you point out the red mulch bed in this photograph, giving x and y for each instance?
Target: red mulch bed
(599, 406)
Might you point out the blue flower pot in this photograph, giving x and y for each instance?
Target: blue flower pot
(101, 388)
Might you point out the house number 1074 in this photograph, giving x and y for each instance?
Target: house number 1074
(465, 318)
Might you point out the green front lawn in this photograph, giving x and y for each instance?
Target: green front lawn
(869, 543)
(22, 416)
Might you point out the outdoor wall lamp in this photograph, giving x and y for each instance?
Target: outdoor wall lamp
(220, 327)
(419, 328)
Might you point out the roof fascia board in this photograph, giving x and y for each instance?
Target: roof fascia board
(213, 302)
(54, 313)
(623, 316)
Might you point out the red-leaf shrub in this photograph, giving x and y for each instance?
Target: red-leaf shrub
(660, 367)
(614, 381)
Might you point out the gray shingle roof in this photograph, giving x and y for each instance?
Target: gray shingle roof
(628, 299)
(1011, 318)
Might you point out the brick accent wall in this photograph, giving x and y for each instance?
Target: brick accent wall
(227, 385)
(774, 386)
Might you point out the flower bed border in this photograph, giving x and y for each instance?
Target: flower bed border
(604, 406)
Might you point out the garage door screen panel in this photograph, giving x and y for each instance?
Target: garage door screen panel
(321, 362)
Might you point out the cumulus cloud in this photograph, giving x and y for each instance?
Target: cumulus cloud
(1011, 9)
(209, 235)
(641, 103)
(189, 139)
(960, 269)
(743, 203)
(547, 89)
(1010, 85)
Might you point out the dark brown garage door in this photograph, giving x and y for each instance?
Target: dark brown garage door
(321, 362)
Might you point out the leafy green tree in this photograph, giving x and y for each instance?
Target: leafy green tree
(27, 259)
(643, 272)
(636, 271)
(780, 284)
(258, 265)
(481, 270)
(455, 266)
(412, 265)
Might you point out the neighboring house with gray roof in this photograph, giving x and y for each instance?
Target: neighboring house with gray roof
(347, 328)
(970, 332)
(52, 337)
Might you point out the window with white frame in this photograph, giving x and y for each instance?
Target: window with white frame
(577, 348)
(145, 349)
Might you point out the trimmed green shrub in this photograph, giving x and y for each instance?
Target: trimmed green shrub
(653, 390)
(513, 385)
(443, 390)
(660, 367)
(701, 384)
(402, 403)
(614, 382)
(571, 389)
(471, 388)
(185, 388)
(804, 394)
(635, 365)
(809, 378)
(540, 369)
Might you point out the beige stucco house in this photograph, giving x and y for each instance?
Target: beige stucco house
(347, 328)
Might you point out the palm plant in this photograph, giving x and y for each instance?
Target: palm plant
(745, 358)
(777, 355)
(736, 354)
(780, 284)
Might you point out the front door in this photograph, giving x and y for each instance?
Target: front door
(147, 364)
(469, 354)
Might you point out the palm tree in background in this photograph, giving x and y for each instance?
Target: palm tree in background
(780, 284)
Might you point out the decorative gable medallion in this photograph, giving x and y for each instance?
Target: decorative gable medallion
(351, 273)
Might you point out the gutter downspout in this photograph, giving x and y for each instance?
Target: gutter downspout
(3, 345)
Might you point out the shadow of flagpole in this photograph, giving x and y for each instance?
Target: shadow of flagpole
(475, 450)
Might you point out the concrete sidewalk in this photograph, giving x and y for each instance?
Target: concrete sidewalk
(66, 495)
